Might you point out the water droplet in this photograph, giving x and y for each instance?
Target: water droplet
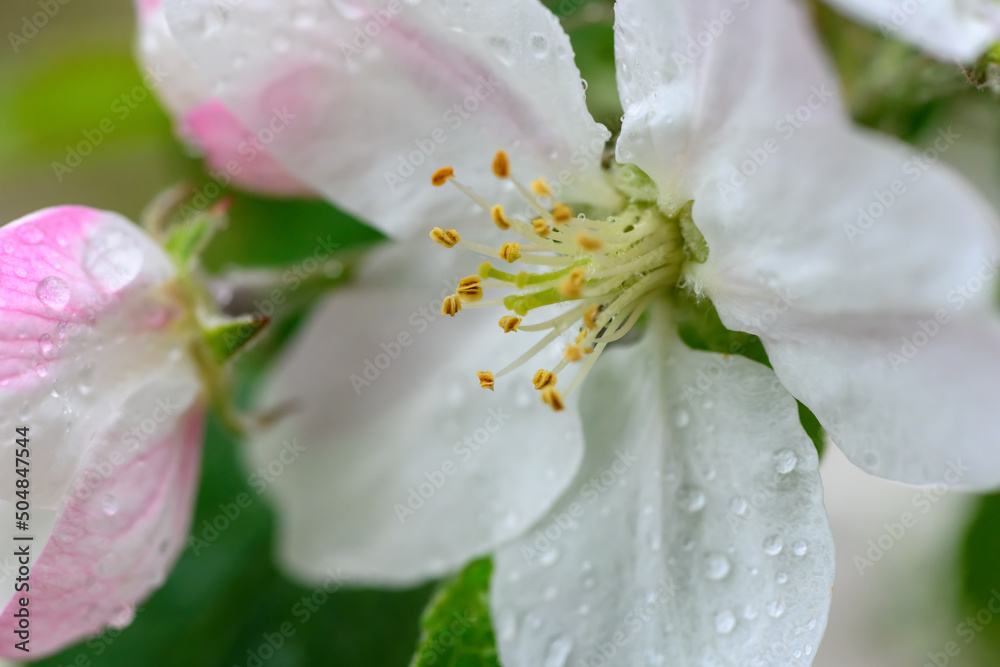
(785, 461)
(502, 48)
(558, 652)
(46, 345)
(349, 10)
(20, 272)
(749, 613)
(507, 626)
(781, 578)
(109, 504)
(281, 44)
(773, 545)
(550, 593)
(725, 621)
(775, 609)
(691, 499)
(589, 582)
(738, 506)
(682, 418)
(53, 292)
(31, 234)
(539, 45)
(583, 609)
(549, 557)
(870, 459)
(112, 258)
(717, 566)
(800, 548)
(122, 617)
(85, 379)
(586, 566)
(656, 542)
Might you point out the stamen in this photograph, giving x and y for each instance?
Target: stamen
(562, 213)
(511, 252)
(509, 323)
(485, 379)
(572, 286)
(589, 320)
(470, 289)
(446, 237)
(451, 305)
(501, 165)
(499, 218)
(541, 188)
(588, 242)
(442, 175)
(541, 227)
(551, 398)
(573, 353)
(543, 379)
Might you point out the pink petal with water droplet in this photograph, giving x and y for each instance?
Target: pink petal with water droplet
(61, 271)
(112, 544)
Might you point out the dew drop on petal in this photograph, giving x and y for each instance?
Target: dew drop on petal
(53, 292)
(691, 499)
(559, 651)
(800, 548)
(785, 461)
(109, 504)
(506, 626)
(539, 45)
(682, 418)
(550, 593)
(725, 621)
(775, 609)
(773, 545)
(716, 566)
(549, 557)
(738, 506)
(123, 617)
(31, 234)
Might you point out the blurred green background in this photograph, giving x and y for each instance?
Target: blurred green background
(225, 598)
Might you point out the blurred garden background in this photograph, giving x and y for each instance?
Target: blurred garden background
(71, 86)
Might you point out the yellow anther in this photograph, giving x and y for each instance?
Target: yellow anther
(452, 305)
(485, 379)
(470, 289)
(509, 323)
(501, 164)
(543, 379)
(552, 398)
(511, 252)
(499, 218)
(441, 176)
(588, 242)
(573, 353)
(590, 317)
(446, 237)
(562, 213)
(541, 188)
(572, 286)
(581, 336)
(541, 227)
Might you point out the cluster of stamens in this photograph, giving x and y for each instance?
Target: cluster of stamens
(603, 272)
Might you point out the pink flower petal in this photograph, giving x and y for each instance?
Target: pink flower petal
(112, 546)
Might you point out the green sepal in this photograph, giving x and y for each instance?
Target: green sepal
(635, 184)
(227, 338)
(456, 630)
(186, 240)
(695, 246)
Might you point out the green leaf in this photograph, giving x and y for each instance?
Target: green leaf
(980, 574)
(227, 338)
(457, 631)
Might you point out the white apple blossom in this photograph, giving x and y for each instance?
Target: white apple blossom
(672, 512)
(959, 30)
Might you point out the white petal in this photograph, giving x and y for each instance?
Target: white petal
(907, 398)
(366, 120)
(694, 534)
(947, 29)
(233, 154)
(698, 77)
(395, 465)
